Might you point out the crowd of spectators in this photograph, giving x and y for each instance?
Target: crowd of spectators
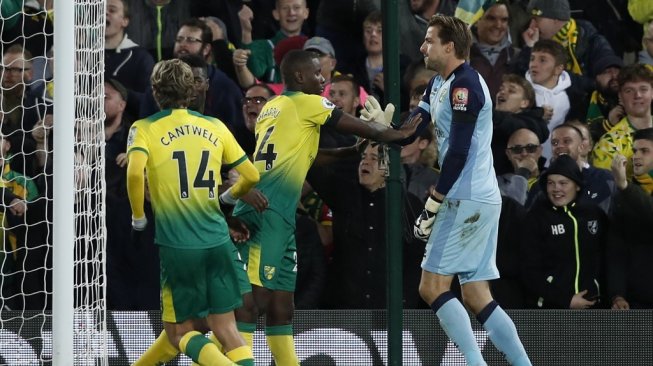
(572, 90)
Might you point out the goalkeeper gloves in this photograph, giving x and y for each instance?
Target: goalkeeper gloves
(138, 227)
(424, 223)
(374, 112)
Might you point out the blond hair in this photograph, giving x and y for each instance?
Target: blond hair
(172, 84)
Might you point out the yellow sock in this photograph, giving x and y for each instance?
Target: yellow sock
(215, 341)
(247, 330)
(161, 351)
(282, 345)
(202, 351)
(242, 356)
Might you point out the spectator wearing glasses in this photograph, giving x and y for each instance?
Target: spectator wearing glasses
(223, 98)
(525, 154)
(255, 98)
(598, 184)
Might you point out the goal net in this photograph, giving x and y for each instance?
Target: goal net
(29, 178)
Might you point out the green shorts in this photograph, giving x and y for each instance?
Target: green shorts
(241, 272)
(198, 282)
(270, 252)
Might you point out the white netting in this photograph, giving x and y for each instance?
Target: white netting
(90, 272)
(26, 154)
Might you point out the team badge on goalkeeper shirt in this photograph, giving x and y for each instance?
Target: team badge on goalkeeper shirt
(460, 99)
(269, 272)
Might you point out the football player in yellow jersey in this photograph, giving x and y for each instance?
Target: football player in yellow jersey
(183, 152)
(287, 137)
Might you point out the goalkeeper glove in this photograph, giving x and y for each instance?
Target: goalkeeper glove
(424, 223)
(374, 112)
(138, 227)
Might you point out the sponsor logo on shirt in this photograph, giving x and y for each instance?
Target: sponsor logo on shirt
(460, 99)
(327, 103)
(131, 136)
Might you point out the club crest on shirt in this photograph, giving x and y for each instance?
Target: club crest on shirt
(443, 93)
(131, 136)
(460, 99)
(269, 272)
(593, 226)
(327, 103)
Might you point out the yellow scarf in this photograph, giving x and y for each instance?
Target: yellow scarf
(567, 36)
(645, 181)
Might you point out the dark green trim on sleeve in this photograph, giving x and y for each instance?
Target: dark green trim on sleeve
(333, 119)
(235, 163)
(139, 149)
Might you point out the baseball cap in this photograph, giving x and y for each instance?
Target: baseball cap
(553, 9)
(603, 62)
(321, 45)
(118, 86)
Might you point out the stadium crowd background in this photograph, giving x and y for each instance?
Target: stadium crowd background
(566, 78)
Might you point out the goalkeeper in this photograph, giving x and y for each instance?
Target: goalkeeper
(460, 220)
(183, 152)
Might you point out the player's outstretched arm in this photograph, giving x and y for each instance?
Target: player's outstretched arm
(377, 131)
(247, 179)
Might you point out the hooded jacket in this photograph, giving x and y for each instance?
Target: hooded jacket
(562, 253)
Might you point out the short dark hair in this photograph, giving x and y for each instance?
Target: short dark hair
(347, 78)
(529, 92)
(207, 35)
(373, 18)
(263, 86)
(454, 30)
(293, 60)
(569, 125)
(643, 134)
(194, 60)
(125, 9)
(635, 72)
(553, 48)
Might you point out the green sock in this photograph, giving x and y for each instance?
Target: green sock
(196, 346)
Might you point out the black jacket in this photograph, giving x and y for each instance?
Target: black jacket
(562, 253)
(630, 248)
(357, 274)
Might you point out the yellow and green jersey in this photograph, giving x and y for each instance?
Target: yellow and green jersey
(186, 151)
(619, 140)
(287, 139)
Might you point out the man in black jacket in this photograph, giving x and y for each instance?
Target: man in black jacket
(630, 249)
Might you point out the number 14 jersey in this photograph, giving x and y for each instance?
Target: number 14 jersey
(287, 139)
(186, 151)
